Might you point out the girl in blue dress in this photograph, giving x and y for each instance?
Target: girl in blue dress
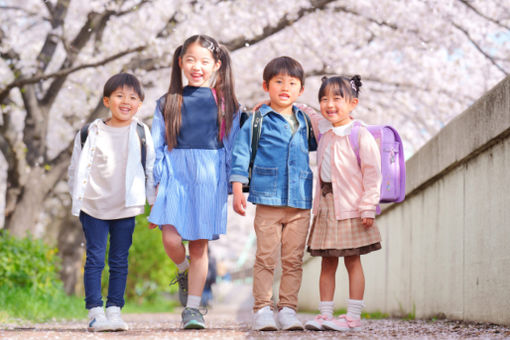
(193, 130)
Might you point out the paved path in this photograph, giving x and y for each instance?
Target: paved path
(230, 318)
(223, 324)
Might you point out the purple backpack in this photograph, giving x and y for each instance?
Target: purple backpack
(393, 166)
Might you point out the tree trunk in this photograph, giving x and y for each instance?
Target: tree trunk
(71, 246)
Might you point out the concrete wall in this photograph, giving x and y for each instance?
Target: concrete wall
(446, 248)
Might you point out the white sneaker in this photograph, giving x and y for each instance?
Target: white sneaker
(113, 315)
(263, 320)
(288, 320)
(98, 321)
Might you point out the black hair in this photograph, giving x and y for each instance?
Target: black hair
(347, 88)
(119, 81)
(284, 65)
(224, 87)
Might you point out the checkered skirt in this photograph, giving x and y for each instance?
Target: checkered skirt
(330, 237)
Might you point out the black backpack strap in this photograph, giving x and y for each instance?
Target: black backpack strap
(143, 143)
(256, 129)
(312, 142)
(84, 133)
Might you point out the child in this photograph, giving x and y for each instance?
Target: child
(281, 186)
(345, 203)
(193, 130)
(109, 184)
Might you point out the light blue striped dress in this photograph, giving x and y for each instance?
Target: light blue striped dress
(193, 177)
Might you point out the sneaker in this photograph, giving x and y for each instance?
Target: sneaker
(98, 321)
(116, 322)
(192, 319)
(343, 323)
(263, 320)
(288, 320)
(316, 323)
(182, 280)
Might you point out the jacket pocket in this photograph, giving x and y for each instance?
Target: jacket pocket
(264, 181)
(306, 178)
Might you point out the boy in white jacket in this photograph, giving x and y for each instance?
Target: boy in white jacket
(109, 185)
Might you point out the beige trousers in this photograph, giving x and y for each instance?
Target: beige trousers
(279, 229)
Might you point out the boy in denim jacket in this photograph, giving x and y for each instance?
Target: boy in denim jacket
(281, 187)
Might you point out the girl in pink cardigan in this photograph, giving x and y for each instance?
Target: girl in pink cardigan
(346, 198)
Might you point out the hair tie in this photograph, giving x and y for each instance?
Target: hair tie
(353, 85)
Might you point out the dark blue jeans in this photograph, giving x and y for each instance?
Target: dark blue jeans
(96, 234)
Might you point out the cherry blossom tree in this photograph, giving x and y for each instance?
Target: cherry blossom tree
(422, 62)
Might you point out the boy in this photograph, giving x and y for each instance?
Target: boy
(109, 185)
(281, 186)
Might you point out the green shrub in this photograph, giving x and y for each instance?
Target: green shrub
(30, 287)
(29, 264)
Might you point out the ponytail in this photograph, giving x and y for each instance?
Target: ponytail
(224, 86)
(173, 102)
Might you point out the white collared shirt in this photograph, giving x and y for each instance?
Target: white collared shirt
(343, 130)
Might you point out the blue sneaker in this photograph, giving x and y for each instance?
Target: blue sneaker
(192, 319)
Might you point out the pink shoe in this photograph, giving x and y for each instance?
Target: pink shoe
(343, 323)
(316, 323)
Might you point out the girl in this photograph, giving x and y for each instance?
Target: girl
(193, 130)
(345, 201)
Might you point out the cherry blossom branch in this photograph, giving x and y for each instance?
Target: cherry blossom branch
(480, 49)
(471, 7)
(65, 72)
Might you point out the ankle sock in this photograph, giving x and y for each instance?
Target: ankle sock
(183, 266)
(354, 308)
(326, 308)
(193, 301)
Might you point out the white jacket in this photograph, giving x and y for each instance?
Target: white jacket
(138, 189)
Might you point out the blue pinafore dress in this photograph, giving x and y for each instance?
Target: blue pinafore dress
(192, 178)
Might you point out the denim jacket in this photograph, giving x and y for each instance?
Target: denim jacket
(281, 174)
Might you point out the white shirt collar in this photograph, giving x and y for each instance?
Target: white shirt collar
(343, 130)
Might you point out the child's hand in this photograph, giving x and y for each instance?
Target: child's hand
(258, 105)
(239, 203)
(368, 222)
(152, 225)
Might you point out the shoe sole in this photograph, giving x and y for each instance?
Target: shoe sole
(338, 329)
(194, 325)
(313, 328)
(266, 329)
(293, 328)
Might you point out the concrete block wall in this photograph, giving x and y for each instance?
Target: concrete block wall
(446, 248)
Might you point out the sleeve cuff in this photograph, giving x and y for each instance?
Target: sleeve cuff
(368, 214)
(239, 178)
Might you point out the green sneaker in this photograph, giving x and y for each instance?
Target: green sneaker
(192, 319)
(182, 280)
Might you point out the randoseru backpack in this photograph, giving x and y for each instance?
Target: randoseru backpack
(393, 166)
(84, 132)
(256, 128)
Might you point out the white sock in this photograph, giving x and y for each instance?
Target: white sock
(354, 308)
(193, 301)
(183, 266)
(326, 308)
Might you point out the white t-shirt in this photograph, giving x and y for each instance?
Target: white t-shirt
(104, 196)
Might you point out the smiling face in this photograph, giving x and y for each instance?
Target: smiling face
(336, 108)
(198, 65)
(123, 103)
(283, 91)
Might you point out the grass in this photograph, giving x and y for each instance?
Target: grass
(18, 304)
(21, 304)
